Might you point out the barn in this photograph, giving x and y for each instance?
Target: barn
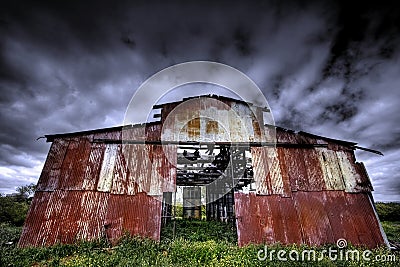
(274, 184)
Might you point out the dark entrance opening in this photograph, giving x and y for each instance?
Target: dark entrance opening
(207, 177)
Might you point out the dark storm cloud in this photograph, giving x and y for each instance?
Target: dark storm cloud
(326, 68)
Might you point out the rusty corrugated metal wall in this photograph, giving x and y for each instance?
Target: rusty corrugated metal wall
(88, 190)
(307, 195)
(313, 218)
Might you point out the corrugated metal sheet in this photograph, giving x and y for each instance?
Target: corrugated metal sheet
(138, 165)
(266, 219)
(284, 170)
(49, 177)
(115, 134)
(139, 215)
(354, 175)
(68, 216)
(314, 172)
(268, 172)
(120, 173)
(332, 173)
(74, 164)
(93, 166)
(312, 218)
(107, 168)
(90, 190)
(296, 168)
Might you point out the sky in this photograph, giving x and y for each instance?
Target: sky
(326, 67)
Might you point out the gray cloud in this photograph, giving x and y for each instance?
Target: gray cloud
(325, 68)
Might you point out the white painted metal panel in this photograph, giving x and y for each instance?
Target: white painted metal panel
(331, 169)
(107, 168)
(349, 172)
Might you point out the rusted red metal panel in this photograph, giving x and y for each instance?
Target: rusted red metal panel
(31, 232)
(248, 223)
(135, 132)
(292, 226)
(68, 216)
(92, 216)
(287, 188)
(327, 216)
(49, 220)
(313, 218)
(152, 168)
(296, 168)
(266, 219)
(163, 159)
(315, 176)
(66, 175)
(153, 131)
(49, 177)
(339, 214)
(306, 138)
(364, 220)
(74, 165)
(139, 215)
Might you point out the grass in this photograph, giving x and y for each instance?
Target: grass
(199, 231)
(388, 211)
(392, 230)
(196, 243)
(192, 243)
